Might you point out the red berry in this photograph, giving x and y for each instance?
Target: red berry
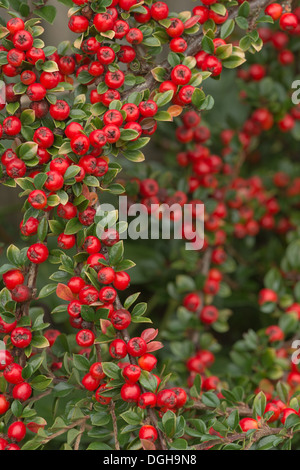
(130, 392)
(22, 391)
(131, 373)
(117, 349)
(248, 423)
(21, 293)
(22, 40)
(147, 400)
(85, 338)
(136, 347)
(120, 319)
(13, 373)
(96, 371)
(37, 199)
(103, 399)
(148, 432)
(21, 337)
(17, 431)
(37, 253)
(4, 406)
(88, 295)
(147, 362)
(13, 278)
(89, 382)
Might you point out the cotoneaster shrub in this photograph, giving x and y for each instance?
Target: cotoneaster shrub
(72, 116)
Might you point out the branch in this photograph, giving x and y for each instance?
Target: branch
(194, 46)
(267, 431)
(115, 425)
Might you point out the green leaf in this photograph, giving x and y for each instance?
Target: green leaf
(111, 370)
(116, 253)
(227, 28)
(73, 226)
(47, 290)
(28, 150)
(48, 13)
(40, 382)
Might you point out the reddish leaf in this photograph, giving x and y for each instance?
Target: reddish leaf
(175, 110)
(191, 22)
(154, 346)
(149, 334)
(104, 324)
(34, 426)
(148, 445)
(64, 292)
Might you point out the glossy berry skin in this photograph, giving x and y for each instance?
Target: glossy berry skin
(192, 302)
(13, 374)
(90, 383)
(37, 253)
(74, 309)
(85, 338)
(67, 211)
(21, 337)
(107, 295)
(130, 392)
(16, 168)
(248, 423)
(110, 236)
(66, 242)
(17, 431)
(106, 275)
(276, 412)
(37, 199)
(118, 349)
(209, 314)
(121, 319)
(3, 444)
(6, 327)
(148, 433)
(14, 25)
(76, 283)
(96, 371)
(274, 333)
(103, 399)
(181, 75)
(147, 362)
(87, 216)
(267, 295)
(21, 293)
(121, 280)
(12, 125)
(166, 399)
(131, 373)
(88, 295)
(274, 10)
(288, 22)
(176, 28)
(147, 400)
(22, 391)
(181, 396)
(91, 245)
(23, 40)
(13, 278)
(6, 359)
(55, 181)
(136, 347)
(286, 413)
(60, 110)
(4, 405)
(78, 24)
(43, 137)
